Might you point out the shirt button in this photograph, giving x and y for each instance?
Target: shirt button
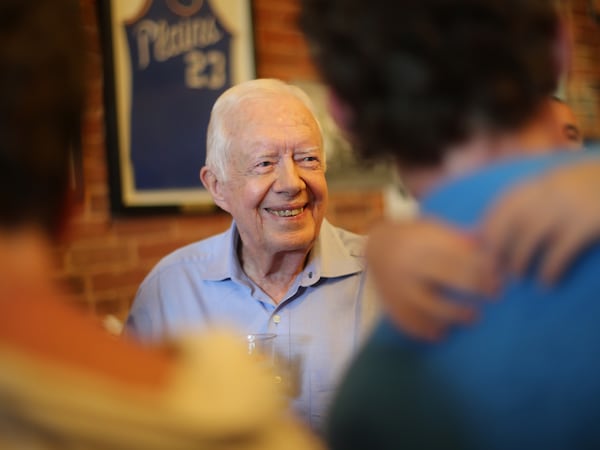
(309, 274)
(276, 318)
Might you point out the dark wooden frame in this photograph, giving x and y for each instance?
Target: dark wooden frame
(194, 200)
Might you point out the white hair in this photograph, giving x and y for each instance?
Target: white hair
(217, 136)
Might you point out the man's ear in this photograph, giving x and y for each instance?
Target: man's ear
(212, 183)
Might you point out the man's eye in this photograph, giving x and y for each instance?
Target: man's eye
(264, 164)
(309, 159)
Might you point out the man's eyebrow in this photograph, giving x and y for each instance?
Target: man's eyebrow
(308, 149)
(266, 154)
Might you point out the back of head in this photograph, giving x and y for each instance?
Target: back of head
(228, 105)
(41, 90)
(423, 75)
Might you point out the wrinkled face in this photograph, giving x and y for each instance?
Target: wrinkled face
(275, 187)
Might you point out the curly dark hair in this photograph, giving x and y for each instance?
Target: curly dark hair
(422, 75)
(41, 94)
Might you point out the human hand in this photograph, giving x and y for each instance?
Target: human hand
(559, 211)
(413, 262)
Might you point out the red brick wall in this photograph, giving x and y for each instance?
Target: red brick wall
(281, 49)
(107, 257)
(583, 86)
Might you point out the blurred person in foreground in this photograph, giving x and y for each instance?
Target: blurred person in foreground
(64, 382)
(444, 87)
(281, 267)
(429, 255)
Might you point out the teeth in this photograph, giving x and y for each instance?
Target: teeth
(287, 212)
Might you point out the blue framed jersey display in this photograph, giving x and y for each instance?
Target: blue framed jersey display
(166, 62)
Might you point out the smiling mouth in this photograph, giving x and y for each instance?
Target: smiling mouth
(285, 212)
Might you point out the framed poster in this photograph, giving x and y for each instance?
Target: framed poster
(165, 64)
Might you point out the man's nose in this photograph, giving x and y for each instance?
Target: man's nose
(289, 179)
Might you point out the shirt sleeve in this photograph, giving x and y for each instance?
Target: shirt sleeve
(146, 305)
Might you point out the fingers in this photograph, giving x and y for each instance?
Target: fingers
(425, 313)
(535, 231)
(557, 213)
(505, 220)
(436, 254)
(416, 324)
(520, 225)
(439, 308)
(558, 257)
(466, 269)
(568, 244)
(414, 263)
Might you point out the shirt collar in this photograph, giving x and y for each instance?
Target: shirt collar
(223, 263)
(336, 253)
(332, 256)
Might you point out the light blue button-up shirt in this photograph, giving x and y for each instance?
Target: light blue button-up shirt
(329, 308)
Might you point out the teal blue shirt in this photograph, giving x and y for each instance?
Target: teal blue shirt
(525, 376)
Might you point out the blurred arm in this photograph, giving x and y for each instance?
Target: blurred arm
(413, 261)
(559, 210)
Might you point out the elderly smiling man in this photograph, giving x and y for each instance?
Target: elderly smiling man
(281, 267)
